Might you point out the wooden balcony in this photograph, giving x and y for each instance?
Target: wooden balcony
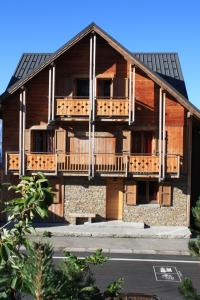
(80, 108)
(104, 164)
(35, 162)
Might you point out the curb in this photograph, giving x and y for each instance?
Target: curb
(125, 251)
(110, 235)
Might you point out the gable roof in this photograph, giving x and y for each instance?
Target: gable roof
(118, 47)
(167, 65)
(27, 63)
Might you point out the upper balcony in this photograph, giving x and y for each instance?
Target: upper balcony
(79, 108)
(71, 164)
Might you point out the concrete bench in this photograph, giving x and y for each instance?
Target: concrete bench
(88, 216)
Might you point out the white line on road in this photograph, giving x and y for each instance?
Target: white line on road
(143, 260)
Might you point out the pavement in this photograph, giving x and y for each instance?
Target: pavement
(115, 229)
(117, 237)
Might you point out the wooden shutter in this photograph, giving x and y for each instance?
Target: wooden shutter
(131, 193)
(27, 140)
(60, 141)
(165, 194)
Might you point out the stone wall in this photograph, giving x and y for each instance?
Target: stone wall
(175, 215)
(84, 196)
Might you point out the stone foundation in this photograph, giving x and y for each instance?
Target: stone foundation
(83, 196)
(152, 215)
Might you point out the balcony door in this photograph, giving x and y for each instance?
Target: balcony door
(42, 141)
(142, 142)
(105, 147)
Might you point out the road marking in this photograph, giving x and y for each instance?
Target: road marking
(143, 260)
(166, 273)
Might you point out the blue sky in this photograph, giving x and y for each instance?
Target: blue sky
(142, 25)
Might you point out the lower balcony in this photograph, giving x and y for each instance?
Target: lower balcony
(104, 164)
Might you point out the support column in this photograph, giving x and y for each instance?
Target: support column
(130, 92)
(22, 125)
(20, 132)
(50, 96)
(90, 108)
(133, 95)
(53, 91)
(160, 135)
(23, 132)
(92, 102)
(189, 165)
(164, 138)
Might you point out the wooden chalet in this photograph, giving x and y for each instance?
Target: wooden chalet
(111, 129)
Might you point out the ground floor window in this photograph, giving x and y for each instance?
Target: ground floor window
(147, 192)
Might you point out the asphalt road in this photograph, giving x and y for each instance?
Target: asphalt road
(150, 274)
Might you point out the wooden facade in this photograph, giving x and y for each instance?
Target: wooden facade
(94, 112)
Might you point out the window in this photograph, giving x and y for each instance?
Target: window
(82, 87)
(42, 141)
(104, 88)
(142, 142)
(147, 192)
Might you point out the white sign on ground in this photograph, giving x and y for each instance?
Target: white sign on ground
(166, 273)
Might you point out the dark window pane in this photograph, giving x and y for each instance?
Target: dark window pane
(104, 87)
(42, 141)
(82, 88)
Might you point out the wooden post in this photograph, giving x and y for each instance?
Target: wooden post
(189, 168)
(129, 98)
(90, 106)
(20, 132)
(164, 138)
(53, 92)
(94, 76)
(50, 96)
(23, 131)
(133, 95)
(160, 135)
(93, 100)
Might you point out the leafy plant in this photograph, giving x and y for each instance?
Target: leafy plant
(186, 288)
(33, 272)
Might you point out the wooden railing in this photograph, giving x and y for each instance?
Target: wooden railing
(73, 162)
(80, 107)
(12, 161)
(112, 107)
(104, 163)
(41, 162)
(34, 162)
(72, 107)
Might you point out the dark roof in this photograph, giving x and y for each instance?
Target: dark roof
(27, 63)
(166, 65)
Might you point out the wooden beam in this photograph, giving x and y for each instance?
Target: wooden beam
(53, 91)
(23, 131)
(130, 98)
(133, 94)
(164, 137)
(90, 106)
(160, 134)
(20, 132)
(50, 96)
(189, 161)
